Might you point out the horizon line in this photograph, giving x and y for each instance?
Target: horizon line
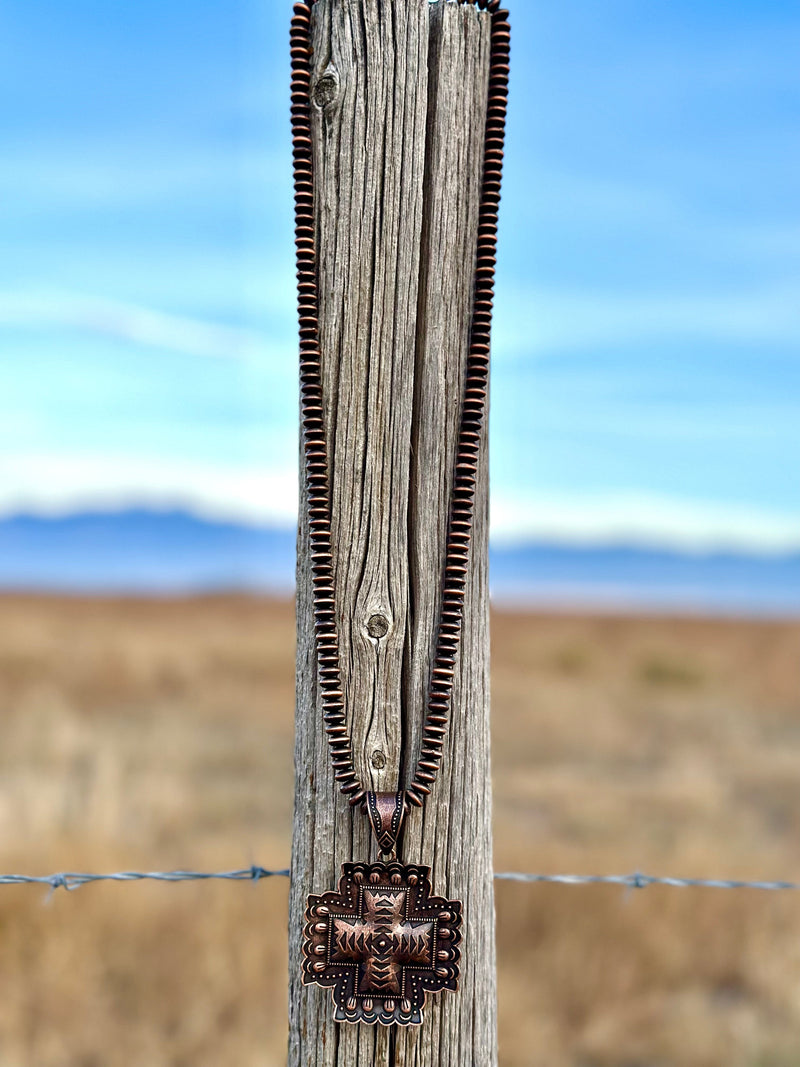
(636, 538)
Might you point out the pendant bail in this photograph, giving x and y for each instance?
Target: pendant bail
(387, 812)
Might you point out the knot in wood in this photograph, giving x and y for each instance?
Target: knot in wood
(378, 627)
(326, 89)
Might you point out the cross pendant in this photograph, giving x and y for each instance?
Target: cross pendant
(382, 943)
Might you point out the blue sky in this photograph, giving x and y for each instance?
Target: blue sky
(646, 379)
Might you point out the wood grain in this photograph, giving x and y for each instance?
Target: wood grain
(400, 98)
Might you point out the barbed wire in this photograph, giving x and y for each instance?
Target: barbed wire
(71, 880)
(74, 880)
(644, 881)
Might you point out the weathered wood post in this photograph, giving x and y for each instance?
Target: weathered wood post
(399, 95)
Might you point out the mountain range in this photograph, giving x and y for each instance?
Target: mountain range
(147, 551)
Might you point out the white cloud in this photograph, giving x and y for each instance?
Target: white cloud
(645, 520)
(58, 484)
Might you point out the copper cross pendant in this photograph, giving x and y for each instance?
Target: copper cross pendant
(382, 942)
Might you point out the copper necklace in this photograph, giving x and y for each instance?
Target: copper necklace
(383, 941)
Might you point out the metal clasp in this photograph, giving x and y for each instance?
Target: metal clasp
(387, 812)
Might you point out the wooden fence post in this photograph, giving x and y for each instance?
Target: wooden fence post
(399, 93)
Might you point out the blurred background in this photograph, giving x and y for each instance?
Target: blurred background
(645, 520)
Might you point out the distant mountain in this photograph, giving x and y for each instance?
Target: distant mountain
(140, 550)
(641, 579)
(148, 551)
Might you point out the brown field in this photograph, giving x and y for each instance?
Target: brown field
(159, 734)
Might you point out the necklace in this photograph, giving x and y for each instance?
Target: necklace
(382, 941)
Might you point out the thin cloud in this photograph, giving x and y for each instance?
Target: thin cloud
(129, 322)
(560, 320)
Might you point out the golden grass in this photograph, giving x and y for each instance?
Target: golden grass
(158, 734)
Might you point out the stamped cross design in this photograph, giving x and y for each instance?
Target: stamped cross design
(382, 943)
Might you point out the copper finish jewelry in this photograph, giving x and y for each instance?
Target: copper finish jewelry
(382, 942)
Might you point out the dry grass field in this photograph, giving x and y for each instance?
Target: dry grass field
(159, 734)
